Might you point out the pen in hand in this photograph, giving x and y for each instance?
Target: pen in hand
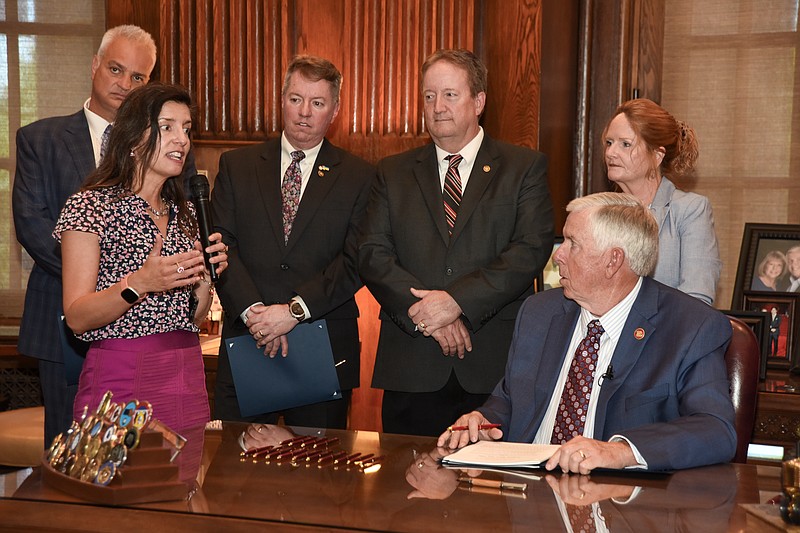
(464, 428)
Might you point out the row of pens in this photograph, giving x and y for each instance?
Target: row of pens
(310, 451)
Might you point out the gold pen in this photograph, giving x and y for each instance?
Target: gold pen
(493, 484)
(495, 492)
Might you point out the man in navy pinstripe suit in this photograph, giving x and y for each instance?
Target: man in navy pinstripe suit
(54, 155)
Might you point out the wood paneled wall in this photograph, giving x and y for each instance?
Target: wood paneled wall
(231, 55)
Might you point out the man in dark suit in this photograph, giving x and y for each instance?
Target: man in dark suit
(455, 233)
(54, 155)
(648, 386)
(289, 209)
(774, 331)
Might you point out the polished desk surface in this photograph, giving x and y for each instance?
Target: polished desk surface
(237, 494)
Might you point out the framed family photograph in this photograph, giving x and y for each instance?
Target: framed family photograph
(550, 277)
(759, 322)
(769, 261)
(781, 349)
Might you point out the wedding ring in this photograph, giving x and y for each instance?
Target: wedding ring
(582, 495)
(226, 248)
(583, 456)
(421, 325)
(180, 269)
(420, 465)
(260, 335)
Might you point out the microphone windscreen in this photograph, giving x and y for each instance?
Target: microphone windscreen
(198, 185)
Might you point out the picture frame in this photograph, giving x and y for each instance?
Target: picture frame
(549, 278)
(759, 322)
(759, 241)
(781, 349)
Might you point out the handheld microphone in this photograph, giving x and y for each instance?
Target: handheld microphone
(609, 373)
(198, 185)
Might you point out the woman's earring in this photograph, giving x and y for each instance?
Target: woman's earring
(132, 154)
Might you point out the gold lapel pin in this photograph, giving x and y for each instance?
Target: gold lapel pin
(321, 170)
(486, 168)
(638, 334)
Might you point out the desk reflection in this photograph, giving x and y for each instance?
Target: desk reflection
(410, 492)
(690, 500)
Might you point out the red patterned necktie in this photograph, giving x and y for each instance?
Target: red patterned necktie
(104, 141)
(452, 191)
(290, 191)
(581, 518)
(571, 415)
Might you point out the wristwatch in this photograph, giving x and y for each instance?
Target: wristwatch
(296, 310)
(129, 294)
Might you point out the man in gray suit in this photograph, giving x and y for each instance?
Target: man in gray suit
(455, 233)
(54, 155)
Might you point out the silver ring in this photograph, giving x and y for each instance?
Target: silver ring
(180, 269)
(421, 325)
(420, 465)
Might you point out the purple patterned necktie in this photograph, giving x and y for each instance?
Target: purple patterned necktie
(104, 141)
(571, 414)
(452, 191)
(290, 191)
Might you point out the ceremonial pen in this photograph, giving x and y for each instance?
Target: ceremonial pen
(482, 426)
(496, 492)
(492, 484)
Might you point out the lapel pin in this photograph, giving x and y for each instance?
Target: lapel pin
(321, 170)
(638, 334)
(320, 173)
(486, 168)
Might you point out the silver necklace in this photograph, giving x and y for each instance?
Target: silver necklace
(156, 213)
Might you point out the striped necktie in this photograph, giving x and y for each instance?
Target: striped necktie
(452, 191)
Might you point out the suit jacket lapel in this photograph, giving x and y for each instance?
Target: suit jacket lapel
(483, 171)
(319, 185)
(78, 142)
(427, 174)
(559, 334)
(630, 348)
(270, 186)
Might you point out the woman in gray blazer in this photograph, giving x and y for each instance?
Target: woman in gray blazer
(643, 145)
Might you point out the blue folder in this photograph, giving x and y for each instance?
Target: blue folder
(74, 351)
(307, 375)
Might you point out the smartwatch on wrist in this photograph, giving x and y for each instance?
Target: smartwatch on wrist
(129, 294)
(296, 310)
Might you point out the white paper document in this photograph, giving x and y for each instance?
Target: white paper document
(501, 454)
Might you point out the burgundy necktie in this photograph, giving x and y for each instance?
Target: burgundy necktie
(571, 414)
(290, 191)
(452, 191)
(581, 518)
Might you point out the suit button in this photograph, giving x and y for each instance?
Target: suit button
(448, 271)
(284, 266)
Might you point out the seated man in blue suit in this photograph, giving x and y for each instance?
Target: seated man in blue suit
(647, 386)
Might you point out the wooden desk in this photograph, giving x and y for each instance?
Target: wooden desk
(778, 411)
(235, 495)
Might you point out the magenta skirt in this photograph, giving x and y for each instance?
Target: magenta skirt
(165, 369)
